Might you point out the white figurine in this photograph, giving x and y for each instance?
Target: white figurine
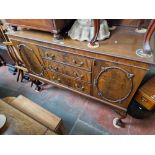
(83, 30)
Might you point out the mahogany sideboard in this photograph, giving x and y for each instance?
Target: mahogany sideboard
(110, 74)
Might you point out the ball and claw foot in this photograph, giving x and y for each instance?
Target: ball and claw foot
(58, 38)
(117, 122)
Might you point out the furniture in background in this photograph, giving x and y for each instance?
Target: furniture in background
(25, 117)
(110, 74)
(4, 56)
(135, 23)
(146, 94)
(55, 26)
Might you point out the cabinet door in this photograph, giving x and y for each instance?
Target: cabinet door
(31, 57)
(116, 83)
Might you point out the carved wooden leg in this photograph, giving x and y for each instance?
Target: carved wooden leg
(117, 122)
(32, 83)
(22, 76)
(147, 51)
(140, 23)
(93, 43)
(140, 28)
(58, 37)
(37, 84)
(18, 75)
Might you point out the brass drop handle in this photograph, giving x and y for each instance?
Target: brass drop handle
(54, 78)
(74, 61)
(55, 68)
(78, 65)
(79, 76)
(50, 56)
(143, 99)
(59, 80)
(80, 88)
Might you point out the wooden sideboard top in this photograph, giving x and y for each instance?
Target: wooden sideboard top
(123, 43)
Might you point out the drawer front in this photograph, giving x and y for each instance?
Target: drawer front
(68, 70)
(145, 100)
(70, 82)
(67, 58)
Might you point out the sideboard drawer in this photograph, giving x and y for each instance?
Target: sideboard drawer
(70, 82)
(67, 58)
(78, 74)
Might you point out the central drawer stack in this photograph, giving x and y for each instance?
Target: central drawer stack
(71, 70)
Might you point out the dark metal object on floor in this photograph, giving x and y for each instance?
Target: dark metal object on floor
(137, 111)
(1, 61)
(12, 69)
(38, 85)
(26, 77)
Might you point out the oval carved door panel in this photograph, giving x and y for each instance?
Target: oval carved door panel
(116, 82)
(30, 56)
(113, 83)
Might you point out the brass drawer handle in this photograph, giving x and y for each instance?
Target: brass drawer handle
(50, 56)
(78, 76)
(59, 80)
(80, 88)
(54, 78)
(55, 68)
(78, 65)
(143, 99)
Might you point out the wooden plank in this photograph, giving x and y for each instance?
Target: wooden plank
(36, 112)
(8, 99)
(20, 124)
